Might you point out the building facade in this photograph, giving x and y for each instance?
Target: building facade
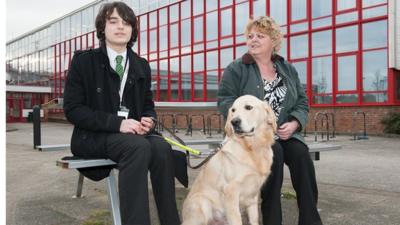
(346, 52)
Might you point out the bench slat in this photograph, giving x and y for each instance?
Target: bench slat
(84, 163)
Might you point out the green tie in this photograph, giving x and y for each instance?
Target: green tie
(119, 68)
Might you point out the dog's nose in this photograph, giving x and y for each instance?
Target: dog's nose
(236, 122)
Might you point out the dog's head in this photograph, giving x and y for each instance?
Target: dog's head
(248, 116)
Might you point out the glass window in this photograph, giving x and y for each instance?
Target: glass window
(198, 62)
(224, 3)
(322, 75)
(346, 98)
(173, 13)
(212, 60)
(347, 71)
(185, 9)
(278, 11)
(347, 39)
(226, 25)
(346, 17)
(143, 22)
(322, 43)
(186, 70)
(301, 68)
(299, 9)
(198, 7)
(174, 34)
(323, 22)
(242, 15)
(321, 8)
(240, 51)
(143, 42)
(299, 46)
(198, 27)
(163, 38)
(211, 5)
(212, 25)
(283, 51)
(375, 70)
(226, 57)
(153, 19)
(259, 8)
(374, 12)
(375, 34)
(366, 3)
(162, 17)
(153, 40)
(174, 74)
(185, 32)
(345, 4)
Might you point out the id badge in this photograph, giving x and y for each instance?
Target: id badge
(123, 112)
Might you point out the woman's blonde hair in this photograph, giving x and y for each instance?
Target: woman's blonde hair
(268, 26)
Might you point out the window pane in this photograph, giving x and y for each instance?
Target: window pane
(321, 8)
(278, 11)
(173, 13)
(186, 77)
(240, 51)
(299, 46)
(299, 9)
(347, 70)
(366, 3)
(283, 51)
(174, 73)
(374, 12)
(174, 35)
(224, 3)
(153, 40)
(242, 15)
(346, 17)
(212, 25)
(322, 75)
(346, 98)
(185, 9)
(226, 25)
(212, 85)
(375, 34)
(143, 42)
(153, 19)
(212, 60)
(259, 8)
(162, 17)
(211, 5)
(301, 68)
(226, 57)
(197, 7)
(375, 70)
(322, 43)
(163, 38)
(185, 32)
(198, 62)
(198, 27)
(347, 39)
(345, 4)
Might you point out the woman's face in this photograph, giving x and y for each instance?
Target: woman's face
(258, 43)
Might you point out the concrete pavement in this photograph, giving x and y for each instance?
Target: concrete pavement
(358, 185)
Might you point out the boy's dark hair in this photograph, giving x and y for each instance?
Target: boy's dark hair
(124, 11)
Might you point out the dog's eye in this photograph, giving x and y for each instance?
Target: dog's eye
(248, 107)
(233, 110)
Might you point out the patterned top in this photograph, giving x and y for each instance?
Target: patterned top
(275, 92)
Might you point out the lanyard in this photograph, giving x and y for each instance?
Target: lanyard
(123, 82)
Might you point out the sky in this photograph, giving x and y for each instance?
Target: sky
(23, 15)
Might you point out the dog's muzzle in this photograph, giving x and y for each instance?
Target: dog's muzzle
(237, 128)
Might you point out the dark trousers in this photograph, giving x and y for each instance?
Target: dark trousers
(136, 155)
(295, 155)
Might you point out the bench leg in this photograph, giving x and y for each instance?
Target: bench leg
(79, 187)
(113, 198)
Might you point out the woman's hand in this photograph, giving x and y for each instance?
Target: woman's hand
(287, 129)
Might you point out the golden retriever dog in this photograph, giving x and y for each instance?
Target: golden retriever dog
(233, 177)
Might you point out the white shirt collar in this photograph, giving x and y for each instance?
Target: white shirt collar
(113, 54)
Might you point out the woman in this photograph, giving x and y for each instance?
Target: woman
(263, 73)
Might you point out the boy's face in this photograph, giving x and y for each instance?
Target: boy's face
(117, 31)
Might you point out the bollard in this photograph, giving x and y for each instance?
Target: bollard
(36, 126)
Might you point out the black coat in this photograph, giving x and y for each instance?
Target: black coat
(91, 100)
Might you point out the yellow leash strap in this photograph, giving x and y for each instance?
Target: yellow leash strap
(186, 148)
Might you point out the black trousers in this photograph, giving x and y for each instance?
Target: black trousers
(136, 155)
(295, 155)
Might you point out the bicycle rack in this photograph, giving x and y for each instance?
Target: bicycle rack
(359, 137)
(333, 123)
(325, 117)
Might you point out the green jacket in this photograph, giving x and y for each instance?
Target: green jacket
(242, 77)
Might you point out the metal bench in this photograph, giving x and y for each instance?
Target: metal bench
(111, 183)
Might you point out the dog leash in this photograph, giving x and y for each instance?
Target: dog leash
(181, 142)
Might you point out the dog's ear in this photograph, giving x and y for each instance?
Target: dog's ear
(271, 118)
(228, 125)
